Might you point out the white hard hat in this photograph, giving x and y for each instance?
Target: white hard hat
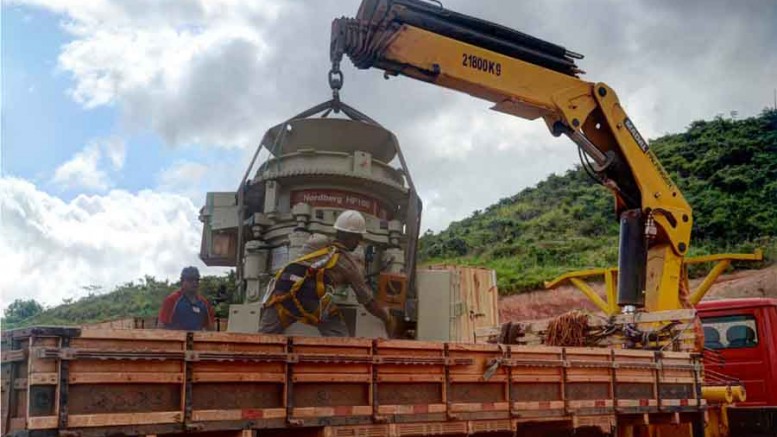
(351, 221)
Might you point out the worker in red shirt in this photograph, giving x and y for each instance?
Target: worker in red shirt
(185, 309)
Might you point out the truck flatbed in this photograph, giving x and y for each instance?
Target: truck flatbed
(102, 382)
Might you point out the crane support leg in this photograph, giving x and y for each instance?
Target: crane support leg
(591, 295)
(710, 279)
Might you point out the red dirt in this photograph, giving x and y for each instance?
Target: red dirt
(542, 304)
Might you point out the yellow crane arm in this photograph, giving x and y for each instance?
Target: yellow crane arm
(531, 78)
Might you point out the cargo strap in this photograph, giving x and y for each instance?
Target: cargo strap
(329, 256)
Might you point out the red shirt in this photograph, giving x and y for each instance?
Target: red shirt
(179, 312)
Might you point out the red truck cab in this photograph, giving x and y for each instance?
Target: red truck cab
(743, 333)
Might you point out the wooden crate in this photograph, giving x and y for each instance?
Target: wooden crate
(473, 295)
(97, 382)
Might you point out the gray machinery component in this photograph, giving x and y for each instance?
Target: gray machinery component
(315, 169)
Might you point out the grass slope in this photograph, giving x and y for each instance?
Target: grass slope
(727, 170)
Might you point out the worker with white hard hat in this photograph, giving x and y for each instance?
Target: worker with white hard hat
(301, 291)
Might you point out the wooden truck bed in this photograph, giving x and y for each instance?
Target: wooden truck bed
(97, 382)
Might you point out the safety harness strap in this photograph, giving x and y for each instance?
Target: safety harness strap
(316, 271)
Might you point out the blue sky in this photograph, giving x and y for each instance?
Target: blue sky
(43, 126)
(118, 116)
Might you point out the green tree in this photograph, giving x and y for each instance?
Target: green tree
(20, 310)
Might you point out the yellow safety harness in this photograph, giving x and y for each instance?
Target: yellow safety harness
(289, 303)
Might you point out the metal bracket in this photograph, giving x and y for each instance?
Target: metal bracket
(64, 377)
(67, 354)
(657, 374)
(534, 363)
(565, 380)
(188, 371)
(194, 427)
(289, 395)
(374, 383)
(636, 365)
(14, 356)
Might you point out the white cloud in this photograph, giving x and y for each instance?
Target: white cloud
(220, 72)
(182, 173)
(195, 178)
(49, 248)
(81, 171)
(477, 161)
(185, 178)
(85, 169)
(116, 151)
(185, 69)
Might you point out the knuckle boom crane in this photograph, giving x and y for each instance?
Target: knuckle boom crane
(531, 78)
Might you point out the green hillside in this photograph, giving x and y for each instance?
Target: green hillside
(727, 170)
(135, 299)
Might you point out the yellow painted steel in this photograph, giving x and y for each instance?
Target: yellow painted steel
(717, 422)
(724, 260)
(718, 394)
(655, 261)
(663, 271)
(530, 89)
(757, 255)
(555, 282)
(592, 296)
(738, 393)
(531, 92)
(702, 289)
(727, 394)
(609, 288)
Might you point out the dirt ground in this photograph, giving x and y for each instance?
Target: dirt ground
(548, 303)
